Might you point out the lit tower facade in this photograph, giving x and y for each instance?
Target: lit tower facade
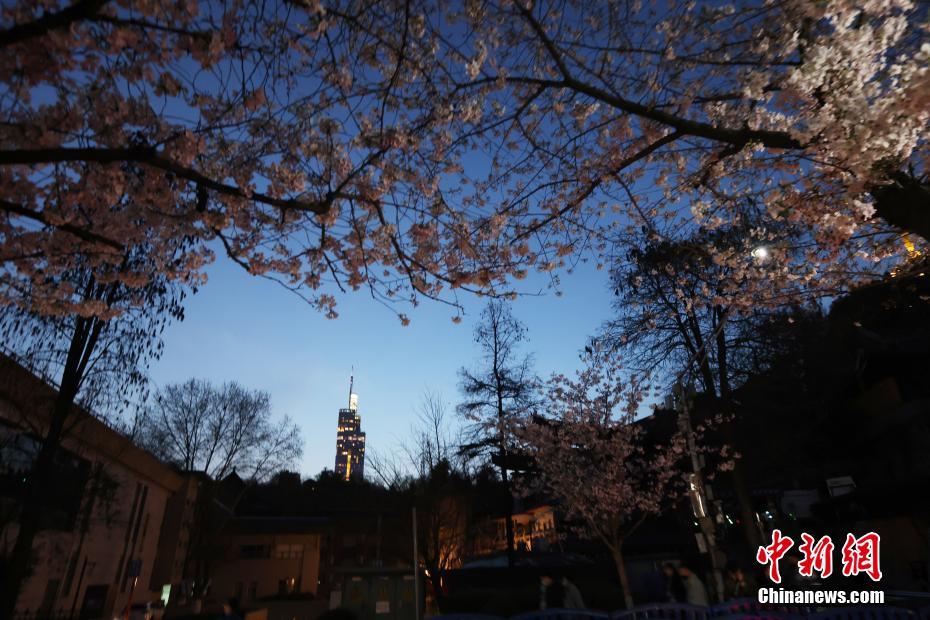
(350, 440)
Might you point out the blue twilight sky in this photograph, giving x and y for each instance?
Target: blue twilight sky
(247, 329)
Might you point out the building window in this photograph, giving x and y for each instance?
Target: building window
(289, 551)
(251, 552)
(62, 501)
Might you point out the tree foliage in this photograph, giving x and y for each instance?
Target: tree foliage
(681, 312)
(596, 459)
(500, 388)
(686, 314)
(430, 469)
(414, 149)
(95, 349)
(219, 430)
(441, 492)
(101, 354)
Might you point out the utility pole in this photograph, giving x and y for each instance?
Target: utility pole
(701, 495)
(416, 569)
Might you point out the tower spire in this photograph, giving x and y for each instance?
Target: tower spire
(351, 383)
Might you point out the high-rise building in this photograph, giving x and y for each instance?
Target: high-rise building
(350, 440)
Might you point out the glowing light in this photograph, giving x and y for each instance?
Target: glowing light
(760, 253)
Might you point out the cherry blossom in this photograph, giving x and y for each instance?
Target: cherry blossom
(414, 149)
(608, 471)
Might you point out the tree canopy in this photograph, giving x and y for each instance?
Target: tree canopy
(414, 149)
(219, 430)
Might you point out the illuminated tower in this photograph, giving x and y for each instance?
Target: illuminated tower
(350, 440)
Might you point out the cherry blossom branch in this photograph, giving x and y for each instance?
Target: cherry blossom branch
(147, 25)
(36, 216)
(741, 137)
(629, 161)
(149, 156)
(82, 9)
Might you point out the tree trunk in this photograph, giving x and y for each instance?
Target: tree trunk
(737, 481)
(747, 513)
(436, 580)
(433, 548)
(503, 453)
(616, 552)
(509, 524)
(743, 496)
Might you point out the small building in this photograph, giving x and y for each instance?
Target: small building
(534, 529)
(96, 551)
(267, 557)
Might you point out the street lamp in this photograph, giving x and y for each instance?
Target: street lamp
(760, 253)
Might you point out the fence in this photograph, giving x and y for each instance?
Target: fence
(739, 609)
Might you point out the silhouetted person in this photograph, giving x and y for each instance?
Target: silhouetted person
(737, 583)
(573, 598)
(675, 590)
(551, 591)
(231, 610)
(695, 592)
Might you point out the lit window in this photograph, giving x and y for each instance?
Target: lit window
(289, 551)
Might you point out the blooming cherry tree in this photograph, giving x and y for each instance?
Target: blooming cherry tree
(599, 461)
(629, 119)
(280, 133)
(415, 149)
